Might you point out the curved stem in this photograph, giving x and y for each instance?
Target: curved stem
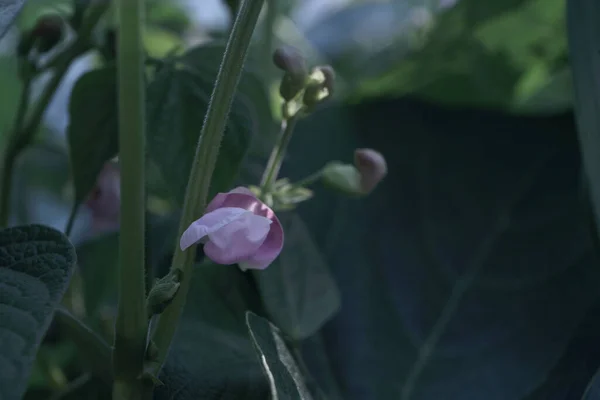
(204, 165)
(132, 322)
(278, 153)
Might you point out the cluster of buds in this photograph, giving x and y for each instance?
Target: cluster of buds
(302, 90)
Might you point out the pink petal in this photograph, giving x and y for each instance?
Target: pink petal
(269, 251)
(209, 223)
(221, 198)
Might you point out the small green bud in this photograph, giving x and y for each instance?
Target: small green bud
(342, 177)
(162, 293)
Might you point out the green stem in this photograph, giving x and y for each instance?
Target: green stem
(204, 165)
(309, 180)
(132, 322)
(278, 153)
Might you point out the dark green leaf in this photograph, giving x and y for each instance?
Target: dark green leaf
(298, 290)
(584, 42)
(9, 10)
(466, 274)
(285, 378)
(93, 129)
(177, 103)
(35, 267)
(212, 355)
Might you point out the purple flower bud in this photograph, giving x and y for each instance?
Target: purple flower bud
(372, 168)
(237, 228)
(105, 199)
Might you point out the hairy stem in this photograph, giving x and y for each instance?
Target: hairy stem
(132, 322)
(204, 164)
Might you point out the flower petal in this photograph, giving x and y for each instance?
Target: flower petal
(269, 250)
(209, 223)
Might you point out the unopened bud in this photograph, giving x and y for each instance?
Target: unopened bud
(342, 177)
(47, 32)
(290, 60)
(372, 168)
(319, 88)
(162, 293)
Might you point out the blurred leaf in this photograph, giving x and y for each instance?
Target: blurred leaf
(482, 55)
(9, 95)
(285, 378)
(35, 266)
(93, 128)
(298, 290)
(212, 356)
(468, 272)
(584, 42)
(9, 10)
(160, 42)
(177, 103)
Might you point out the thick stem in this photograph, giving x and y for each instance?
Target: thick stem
(204, 164)
(278, 153)
(132, 322)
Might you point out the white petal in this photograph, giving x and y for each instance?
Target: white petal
(208, 223)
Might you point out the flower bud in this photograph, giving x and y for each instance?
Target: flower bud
(163, 292)
(372, 168)
(47, 32)
(342, 177)
(319, 88)
(290, 60)
(105, 199)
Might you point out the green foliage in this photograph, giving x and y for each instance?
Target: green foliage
(93, 129)
(178, 98)
(284, 376)
(484, 55)
(298, 290)
(9, 10)
(35, 267)
(212, 356)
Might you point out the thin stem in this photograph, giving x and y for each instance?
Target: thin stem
(309, 180)
(204, 164)
(278, 153)
(71, 220)
(132, 322)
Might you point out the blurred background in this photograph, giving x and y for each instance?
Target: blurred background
(470, 273)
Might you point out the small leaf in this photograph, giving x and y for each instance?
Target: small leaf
(35, 267)
(278, 363)
(298, 290)
(9, 10)
(93, 129)
(177, 103)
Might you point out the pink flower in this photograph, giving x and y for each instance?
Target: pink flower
(237, 228)
(372, 168)
(105, 199)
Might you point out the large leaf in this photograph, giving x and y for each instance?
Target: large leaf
(285, 378)
(9, 10)
(212, 356)
(468, 272)
(177, 102)
(35, 267)
(584, 39)
(298, 290)
(93, 129)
